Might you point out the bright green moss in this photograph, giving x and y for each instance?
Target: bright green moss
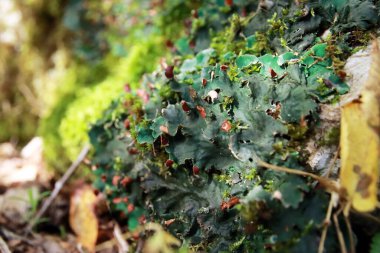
(93, 101)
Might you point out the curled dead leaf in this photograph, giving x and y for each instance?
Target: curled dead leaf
(360, 142)
(83, 220)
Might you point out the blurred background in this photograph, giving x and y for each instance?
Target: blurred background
(62, 62)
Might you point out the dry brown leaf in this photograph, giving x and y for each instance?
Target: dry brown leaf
(360, 142)
(83, 220)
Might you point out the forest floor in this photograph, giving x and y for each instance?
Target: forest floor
(25, 185)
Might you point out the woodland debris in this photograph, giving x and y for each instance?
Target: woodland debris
(58, 186)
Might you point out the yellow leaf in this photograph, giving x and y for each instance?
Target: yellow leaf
(161, 241)
(83, 220)
(360, 142)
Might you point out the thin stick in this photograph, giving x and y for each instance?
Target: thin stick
(326, 224)
(58, 186)
(361, 55)
(121, 242)
(3, 246)
(350, 234)
(342, 244)
(329, 184)
(333, 162)
(9, 235)
(110, 243)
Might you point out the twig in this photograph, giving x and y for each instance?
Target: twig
(121, 243)
(327, 183)
(109, 244)
(332, 163)
(350, 234)
(3, 246)
(9, 235)
(318, 59)
(326, 224)
(343, 247)
(361, 55)
(140, 245)
(58, 186)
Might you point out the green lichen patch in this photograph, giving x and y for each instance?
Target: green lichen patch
(253, 92)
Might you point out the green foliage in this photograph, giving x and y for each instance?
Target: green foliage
(65, 126)
(60, 99)
(91, 102)
(188, 156)
(205, 141)
(375, 245)
(90, 83)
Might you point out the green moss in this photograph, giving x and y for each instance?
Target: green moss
(76, 76)
(222, 42)
(297, 132)
(251, 174)
(93, 101)
(84, 111)
(74, 106)
(277, 26)
(233, 73)
(258, 43)
(331, 137)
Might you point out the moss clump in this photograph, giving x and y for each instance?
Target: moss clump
(92, 102)
(331, 137)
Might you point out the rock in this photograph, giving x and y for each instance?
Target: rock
(357, 69)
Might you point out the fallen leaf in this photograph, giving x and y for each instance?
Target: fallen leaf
(83, 220)
(161, 241)
(360, 142)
